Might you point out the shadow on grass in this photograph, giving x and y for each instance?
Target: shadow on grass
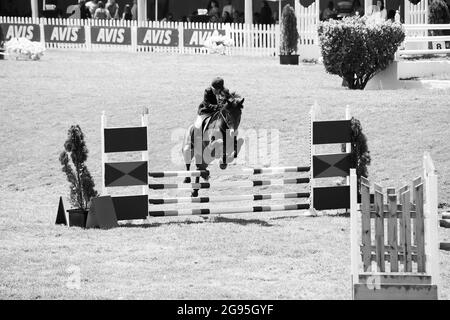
(242, 222)
(285, 217)
(208, 219)
(159, 224)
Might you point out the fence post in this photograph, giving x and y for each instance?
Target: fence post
(354, 241)
(41, 28)
(431, 219)
(104, 155)
(181, 37)
(133, 38)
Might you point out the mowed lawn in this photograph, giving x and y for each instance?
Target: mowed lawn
(249, 256)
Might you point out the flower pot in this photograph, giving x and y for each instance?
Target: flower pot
(2, 51)
(289, 59)
(77, 217)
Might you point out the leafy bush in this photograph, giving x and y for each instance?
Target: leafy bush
(438, 13)
(81, 182)
(360, 156)
(289, 33)
(357, 48)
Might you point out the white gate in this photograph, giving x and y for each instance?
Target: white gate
(416, 13)
(307, 22)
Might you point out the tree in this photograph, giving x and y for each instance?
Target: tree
(81, 182)
(356, 48)
(438, 13)
(289, 33)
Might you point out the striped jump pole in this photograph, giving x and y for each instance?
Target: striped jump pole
(252, 171)
(237, 184)
(188, 212)
(250, 197)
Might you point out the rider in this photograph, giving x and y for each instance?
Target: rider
(213, 99)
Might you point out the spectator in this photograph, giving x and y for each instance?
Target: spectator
(134, 10)
(357, 8)
(237, 17)
(275, 17)
(227, 18)
(113, 9)
(329, 11)
(168, 17)
(391, 15)
(266, 13)
(256, 18)
(101, 13)
(214, 9)
(380, 10)
(92, 5)
(127, 13)
(214, 19)
(84, 11)
(228, 8)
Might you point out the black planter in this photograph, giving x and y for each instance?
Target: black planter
(77, 217)
(2, 57)
(289, 59)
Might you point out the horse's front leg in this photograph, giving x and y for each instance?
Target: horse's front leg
(187, 179)
(195, 191)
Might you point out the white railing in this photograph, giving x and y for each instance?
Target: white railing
(416, 13)
(307, 23)
(149, 36)
(418, 40)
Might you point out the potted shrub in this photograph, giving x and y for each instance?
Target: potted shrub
(82, 190)
(289, 36)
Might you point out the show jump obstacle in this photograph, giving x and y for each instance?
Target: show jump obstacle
(396, 253)
(394, 246)
(134, 139)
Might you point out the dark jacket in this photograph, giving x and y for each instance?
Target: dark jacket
(266, 15)
(210, 104)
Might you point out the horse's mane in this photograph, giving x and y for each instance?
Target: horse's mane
(233, 97)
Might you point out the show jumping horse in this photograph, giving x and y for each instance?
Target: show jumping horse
(216, 139)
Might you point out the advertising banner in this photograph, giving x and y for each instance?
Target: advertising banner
(111, 35)
(196, 37)
(64, 34)
(161, 37)
(12, 30)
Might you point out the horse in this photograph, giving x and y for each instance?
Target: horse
(207, 144)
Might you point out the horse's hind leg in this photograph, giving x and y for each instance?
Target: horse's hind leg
(204, 174)
(187, 179)
(188, 151)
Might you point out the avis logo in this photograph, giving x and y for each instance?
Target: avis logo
(64, 34)
(107, 35)
(158, 37)
(17, 31)
(199, 37)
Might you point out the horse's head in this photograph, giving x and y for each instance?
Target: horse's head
(232, 111)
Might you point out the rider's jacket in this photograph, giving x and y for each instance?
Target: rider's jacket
(210, 104)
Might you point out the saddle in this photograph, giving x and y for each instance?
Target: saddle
(203, 121)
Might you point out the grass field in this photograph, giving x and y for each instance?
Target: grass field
(250, 256)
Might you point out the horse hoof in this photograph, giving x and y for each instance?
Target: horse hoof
(223, 166)
(187, 180)
(205, 175)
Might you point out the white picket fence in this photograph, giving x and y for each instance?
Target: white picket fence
(416, 13)
(307, 23)
(247, 40)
